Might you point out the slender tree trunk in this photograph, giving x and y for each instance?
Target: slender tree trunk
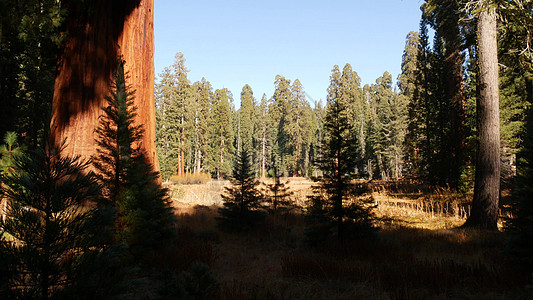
(198, 161)
(221, 156)
(484, 213)
(263, 154)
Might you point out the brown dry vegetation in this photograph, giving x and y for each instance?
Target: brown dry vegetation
(417, 254)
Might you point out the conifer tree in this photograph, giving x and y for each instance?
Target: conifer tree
(47, 218)
(242, 200)
(165, 137)
(335, 189)
(10, 151)
(277, 196)
(222, 135)
(408, 83)
(202, 118)
(278, 111)
(444, 17)
(174, 102)
(485, 205)
(522, 224)
(380, 127)
(263, 136)
(31, 36)
(116, 136)
(246, 118)
(351, 93)
(144, 217)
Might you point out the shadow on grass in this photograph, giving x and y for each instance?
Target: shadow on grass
(399, 263)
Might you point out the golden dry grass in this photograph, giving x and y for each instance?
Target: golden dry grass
(418, 254)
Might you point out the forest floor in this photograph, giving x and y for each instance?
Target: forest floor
(418, 252)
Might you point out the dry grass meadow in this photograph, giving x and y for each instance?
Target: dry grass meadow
(418, 253)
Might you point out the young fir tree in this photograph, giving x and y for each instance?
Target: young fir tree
(47, 219)
(144, 217)
(9, 152)
(242, 200)
(278, 196)
(336, 199)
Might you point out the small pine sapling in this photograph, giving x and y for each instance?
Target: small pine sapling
(278, 197)
(47, 220)
(242, 200)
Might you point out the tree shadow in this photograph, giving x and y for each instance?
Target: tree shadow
(88, 58)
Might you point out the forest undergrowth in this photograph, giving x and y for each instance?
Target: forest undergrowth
(418, 253)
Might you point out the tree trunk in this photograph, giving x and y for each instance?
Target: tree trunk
(99, 34)
(484, 212)
(263, 154)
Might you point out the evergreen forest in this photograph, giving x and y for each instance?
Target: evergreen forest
(415, 187)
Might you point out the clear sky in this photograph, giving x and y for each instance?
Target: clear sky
(235, 42)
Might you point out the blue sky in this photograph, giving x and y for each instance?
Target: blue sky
(233, 43)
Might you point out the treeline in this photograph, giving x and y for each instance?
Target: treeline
(440, 79)
(200, 130)
(425, 128)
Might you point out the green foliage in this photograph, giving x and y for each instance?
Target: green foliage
(335, 197)
(175, 116)
(387, 128)
(197, 283)
(47, 220)
(116, 135)
(144, 217)
(31, 34)
(242, 199)
(246, 118)
(278, 196)
(263, 137)
(222, 135)
(9, 152)
(318, 226)
(522, 209)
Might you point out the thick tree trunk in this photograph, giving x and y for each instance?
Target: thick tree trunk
(484, 212)
(99, 34)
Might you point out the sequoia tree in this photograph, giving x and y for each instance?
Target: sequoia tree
(99, 32)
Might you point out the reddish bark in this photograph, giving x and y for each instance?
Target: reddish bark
(98, 36)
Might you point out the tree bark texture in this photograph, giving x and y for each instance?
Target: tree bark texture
(100, 32)
(484, 212)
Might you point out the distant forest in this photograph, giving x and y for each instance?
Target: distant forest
(425, 127)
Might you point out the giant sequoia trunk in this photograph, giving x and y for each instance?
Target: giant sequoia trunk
(484, 213)
(99, 32)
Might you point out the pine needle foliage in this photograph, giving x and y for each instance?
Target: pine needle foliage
(144, 216)
(116, 135)
(336, 197)
(242, 200)
(278, 195)
(9, 152)
(522, 224)
(46, 220)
